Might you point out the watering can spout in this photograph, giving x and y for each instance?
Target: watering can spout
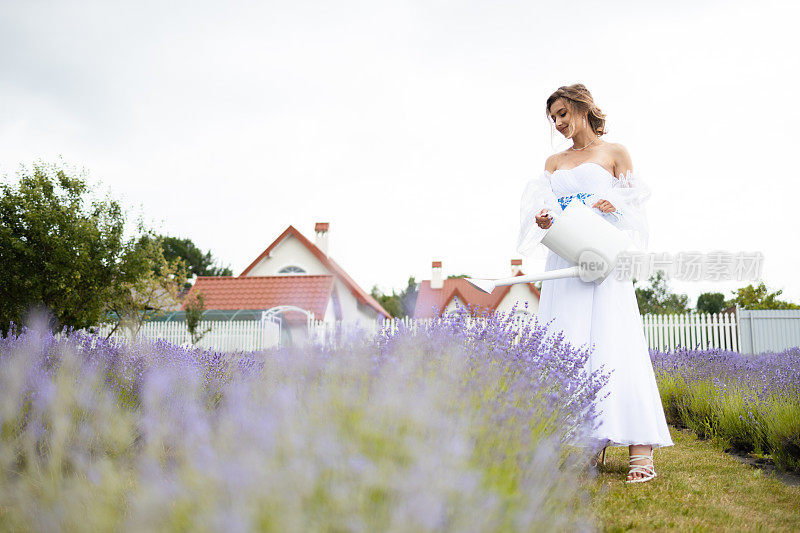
(489, 285)
(486, 285)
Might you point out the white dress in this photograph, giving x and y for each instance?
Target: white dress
(605, 315)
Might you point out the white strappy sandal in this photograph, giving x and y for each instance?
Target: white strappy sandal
(648, 471)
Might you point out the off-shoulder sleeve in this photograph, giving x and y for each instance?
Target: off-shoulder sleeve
(536, 196)
(628, 194)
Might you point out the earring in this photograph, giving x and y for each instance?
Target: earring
(584, 121)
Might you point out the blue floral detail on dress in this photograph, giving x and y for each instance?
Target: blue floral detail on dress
(565, 200)
(582, 196)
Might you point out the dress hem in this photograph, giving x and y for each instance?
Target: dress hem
(611, 443)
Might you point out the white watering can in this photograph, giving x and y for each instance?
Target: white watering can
(582, 237)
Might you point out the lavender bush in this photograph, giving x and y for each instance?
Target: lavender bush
(453, 427)
(747, 402)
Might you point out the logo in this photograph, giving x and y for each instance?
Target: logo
(593, 266)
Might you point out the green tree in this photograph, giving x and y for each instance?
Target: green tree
(657, 297)
(390, 302)
(197, 262)
(711, 302)
(151, 293)
(195, 305)
(59, 249)
(64, 248)
(398, 305)
(408, 296)
(760, 297)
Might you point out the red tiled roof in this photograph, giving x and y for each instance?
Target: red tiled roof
(431, 302)
(263, 292)
(329, 263)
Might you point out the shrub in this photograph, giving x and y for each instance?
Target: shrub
(747, 402)
(457, 426)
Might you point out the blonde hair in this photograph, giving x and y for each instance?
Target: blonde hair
(580, 102)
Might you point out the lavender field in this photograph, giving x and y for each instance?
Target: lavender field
(451, 428)
(746, 402)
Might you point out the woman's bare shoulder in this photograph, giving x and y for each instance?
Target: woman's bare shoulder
(622, 158)
(551, 164)
(615, 148)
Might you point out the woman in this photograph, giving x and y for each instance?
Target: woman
(604, 315)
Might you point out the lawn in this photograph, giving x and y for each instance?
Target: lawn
(699, 487)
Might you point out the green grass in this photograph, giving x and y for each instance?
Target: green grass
(698, 488)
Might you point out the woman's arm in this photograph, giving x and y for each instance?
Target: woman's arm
(622, 159)
(544, 219)
(551, 163)
(537, 199)
(627, 196)
(622, 165)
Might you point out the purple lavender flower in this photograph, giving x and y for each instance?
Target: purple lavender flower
(457, 424)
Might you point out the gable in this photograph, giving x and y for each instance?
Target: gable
(291, 246)
(519, 294)
(454, 304)
(287, 252)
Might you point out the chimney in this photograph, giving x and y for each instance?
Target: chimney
(436, 276)
(321, 231)
(516, 266)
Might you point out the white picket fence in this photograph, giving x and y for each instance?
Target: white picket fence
(229, 336)
(662, 332)
(691, 330)
(319, 330)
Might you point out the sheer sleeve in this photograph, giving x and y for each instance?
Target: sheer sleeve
(628, 195)
(536, 196)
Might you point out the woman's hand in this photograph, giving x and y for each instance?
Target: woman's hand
(543, 219)
(604, 206)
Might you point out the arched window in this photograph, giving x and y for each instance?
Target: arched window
(291, 269)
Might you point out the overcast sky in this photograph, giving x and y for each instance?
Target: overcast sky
(411, 127)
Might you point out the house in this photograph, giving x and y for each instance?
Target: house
(293, 279)
(438, 296)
